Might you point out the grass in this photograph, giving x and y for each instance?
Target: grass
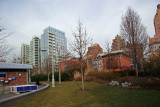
(98, 95)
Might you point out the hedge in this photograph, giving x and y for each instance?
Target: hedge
(64, 76)
(39, 77)
(44, 77)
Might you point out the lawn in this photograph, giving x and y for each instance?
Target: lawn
(98, 95)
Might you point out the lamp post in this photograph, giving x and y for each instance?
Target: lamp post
(29, 76)
(53, 81)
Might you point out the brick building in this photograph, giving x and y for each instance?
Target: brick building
(92, 53)
(67, 64)
(14, 74)
(113, 60)
(157, 21)
(118, 43)
(154, 45)
(154, 42)
(98, 61)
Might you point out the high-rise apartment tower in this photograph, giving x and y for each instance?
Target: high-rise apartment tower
(34, 52)
(53, 41)
(25, 53)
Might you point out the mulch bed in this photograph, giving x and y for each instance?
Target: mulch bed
(130, 79)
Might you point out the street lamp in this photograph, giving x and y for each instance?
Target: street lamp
(53, 81)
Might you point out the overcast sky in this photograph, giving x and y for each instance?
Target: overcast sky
(101, 18)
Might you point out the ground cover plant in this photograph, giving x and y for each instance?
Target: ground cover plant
(141, 82)
(68, 95)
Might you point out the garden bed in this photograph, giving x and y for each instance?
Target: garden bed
(142, 83)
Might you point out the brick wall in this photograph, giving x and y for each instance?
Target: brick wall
(92, 52)
(118, 61)
(20, 80)
(68, 64)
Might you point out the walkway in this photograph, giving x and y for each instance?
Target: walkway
(6, 96)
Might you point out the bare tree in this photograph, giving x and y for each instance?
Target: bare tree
(135, 36)
(5, 49)
(16, 58)
(111, 62)
(61, 57)
(108, 49)
(79, 46)
(47, 65)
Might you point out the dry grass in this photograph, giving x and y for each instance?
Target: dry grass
(97, 95)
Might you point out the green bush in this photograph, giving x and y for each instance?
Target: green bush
(70, 73)
(127, 72)
(64, 76)
(152, 67)
(39, 77)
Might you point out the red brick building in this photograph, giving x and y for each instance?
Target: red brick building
(67, 64)
(113, 60)
(154, 45)
(154, 42)
(157, 21)
(118, 43)
(92, 53)
(14, 74)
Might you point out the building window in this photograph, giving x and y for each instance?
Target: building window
(91, 54)
(90, 61)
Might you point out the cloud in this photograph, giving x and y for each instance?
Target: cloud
(102, 18)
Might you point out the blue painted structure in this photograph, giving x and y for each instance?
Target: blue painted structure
(23, 88)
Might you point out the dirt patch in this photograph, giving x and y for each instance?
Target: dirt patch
(83, 91)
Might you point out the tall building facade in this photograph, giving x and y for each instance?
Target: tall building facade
(53, 41)
(25, 53)
(154, 45)
(92, 52)
(154, 42)
(118, 43)
(35, 53)
(157, 21)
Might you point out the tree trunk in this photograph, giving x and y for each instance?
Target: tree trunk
(82, 78)
(48, 76)
(142, 65)
(59, 77)
(136, 70)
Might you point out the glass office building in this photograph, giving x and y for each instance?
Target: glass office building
(53, 41)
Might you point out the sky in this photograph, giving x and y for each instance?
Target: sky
(101, 18)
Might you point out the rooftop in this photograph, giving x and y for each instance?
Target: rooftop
(15, 66)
